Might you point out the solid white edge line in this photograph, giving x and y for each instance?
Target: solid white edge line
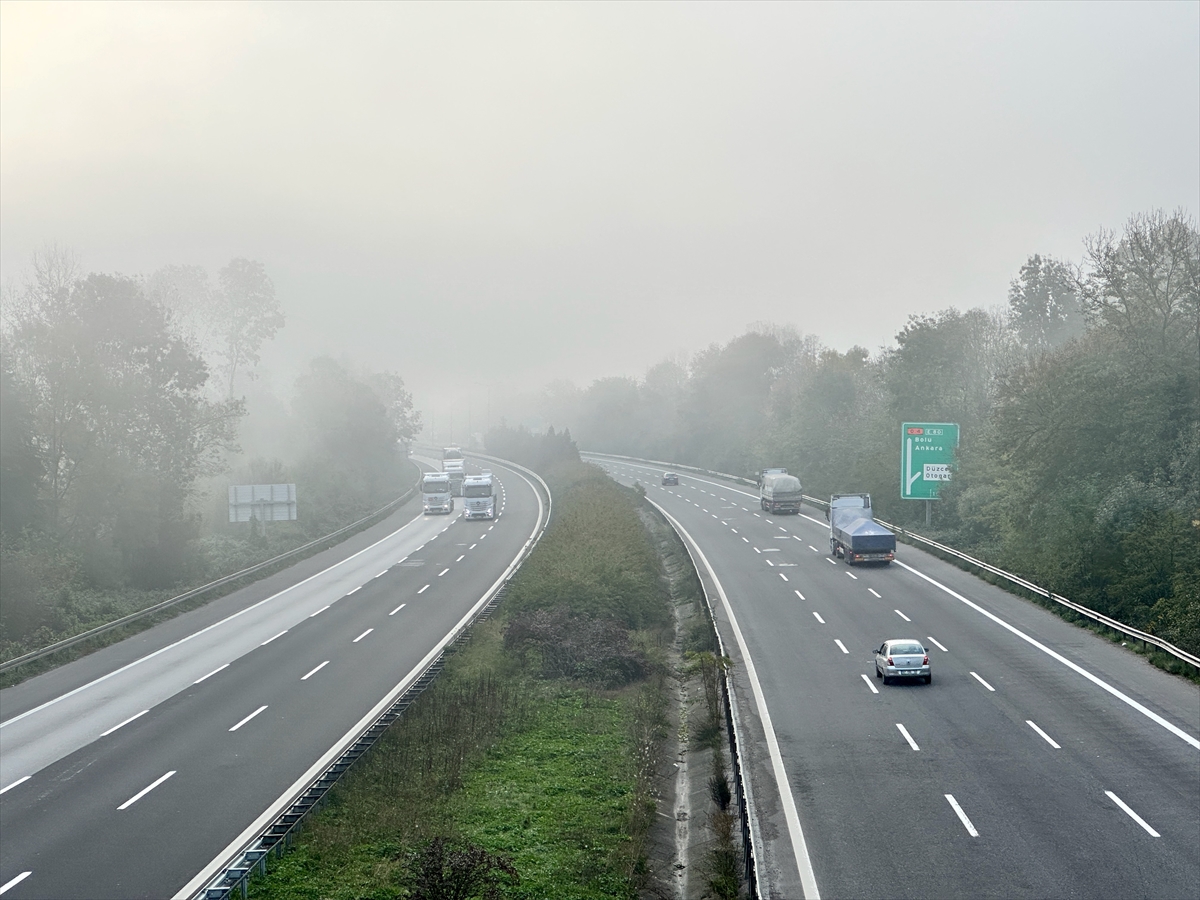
(874, 690)
(841, 646)
(808, 878)
(285, 800)
(13, 882)
(315, 671)
(123, 724)
(211, 674)
(248, 718)
(361, 636)
(1129, 812)
(144, 791)
(196, 634)
(977, 677)
(1049, 740)
(904, 731)
(1148, 713)
(21, 780)
(962, 816)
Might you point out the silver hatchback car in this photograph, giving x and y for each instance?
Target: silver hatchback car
(904, 658)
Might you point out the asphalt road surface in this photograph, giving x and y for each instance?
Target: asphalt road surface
(1041, 762)
(126, 773)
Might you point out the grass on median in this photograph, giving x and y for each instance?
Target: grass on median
(510, 777)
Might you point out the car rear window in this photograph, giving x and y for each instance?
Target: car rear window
(907, 648)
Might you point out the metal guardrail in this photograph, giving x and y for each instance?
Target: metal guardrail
(902, 532)
(80, 638)
(278, 835)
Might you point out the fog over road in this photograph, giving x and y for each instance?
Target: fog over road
(1041, 762)
(126, 772)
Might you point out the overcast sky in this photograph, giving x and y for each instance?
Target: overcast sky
(476, 194)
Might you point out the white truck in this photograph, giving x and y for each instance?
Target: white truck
(435, 493)
(479, 496)
(780, 493)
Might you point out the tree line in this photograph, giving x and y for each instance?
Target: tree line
(130, 404)
(1078, 401)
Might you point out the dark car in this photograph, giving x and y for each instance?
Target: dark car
(904, 658)
(670, 478)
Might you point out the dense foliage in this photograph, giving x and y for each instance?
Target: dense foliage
(1079, 404)
(117, 444)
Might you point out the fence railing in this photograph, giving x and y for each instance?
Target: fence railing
(1100, 618)
(236, 870)
(84, 636)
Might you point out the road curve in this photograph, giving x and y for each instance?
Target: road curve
(1042, 762)
(127, 772)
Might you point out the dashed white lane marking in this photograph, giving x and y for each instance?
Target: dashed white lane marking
(756, 550)
(247, 719)
(473, 546)
(746, 540)
(268, 640)
(315, 671)
(874, 690)
(757, 516)
(1049, 740)
(828, 560)
(936, 644)
(144, 791)
(211, 674)
(872, 590)
(813, 549)
(768, 562)
(423, 590)
(902, 615)
(784, 577)
(123, 724)
(397, 609)
(361, 636)
(321, 610)
(1103, 685)
(20, 780)
(819, 619)
(13, 882)
(1129, 812)
(443, 572)
(904, 731)
(745, 510)
(852, 575)
(355, 591)
(461, 558)
(841, 646)
(734, 530)
(975, 675)
(800, 595)
(381, 574)
(962, 816)
(482, 536)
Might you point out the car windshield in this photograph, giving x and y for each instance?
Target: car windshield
(907, 647)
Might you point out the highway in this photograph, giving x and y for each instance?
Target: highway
(128, 772)
(1041, 762)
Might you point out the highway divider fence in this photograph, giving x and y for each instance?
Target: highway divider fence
(235, 870)
(955, 555)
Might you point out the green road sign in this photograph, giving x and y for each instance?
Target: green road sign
(926, 458)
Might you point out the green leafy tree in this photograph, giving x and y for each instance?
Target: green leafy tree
(1045, 304)
(248, 315)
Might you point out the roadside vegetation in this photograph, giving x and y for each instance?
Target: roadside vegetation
(129, 406)
(1078, 401)
(527, 769)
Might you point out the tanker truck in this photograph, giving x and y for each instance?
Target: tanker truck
(854, 534)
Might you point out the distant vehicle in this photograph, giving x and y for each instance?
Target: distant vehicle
(904, 658)
(454, 468)
(765, 472)
(780, 493)
(479, 497)
(854, 534)
(435, 493)
(670, 478)
(452, 452)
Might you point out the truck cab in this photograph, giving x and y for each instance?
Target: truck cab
(479, 497)
(435, 493)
